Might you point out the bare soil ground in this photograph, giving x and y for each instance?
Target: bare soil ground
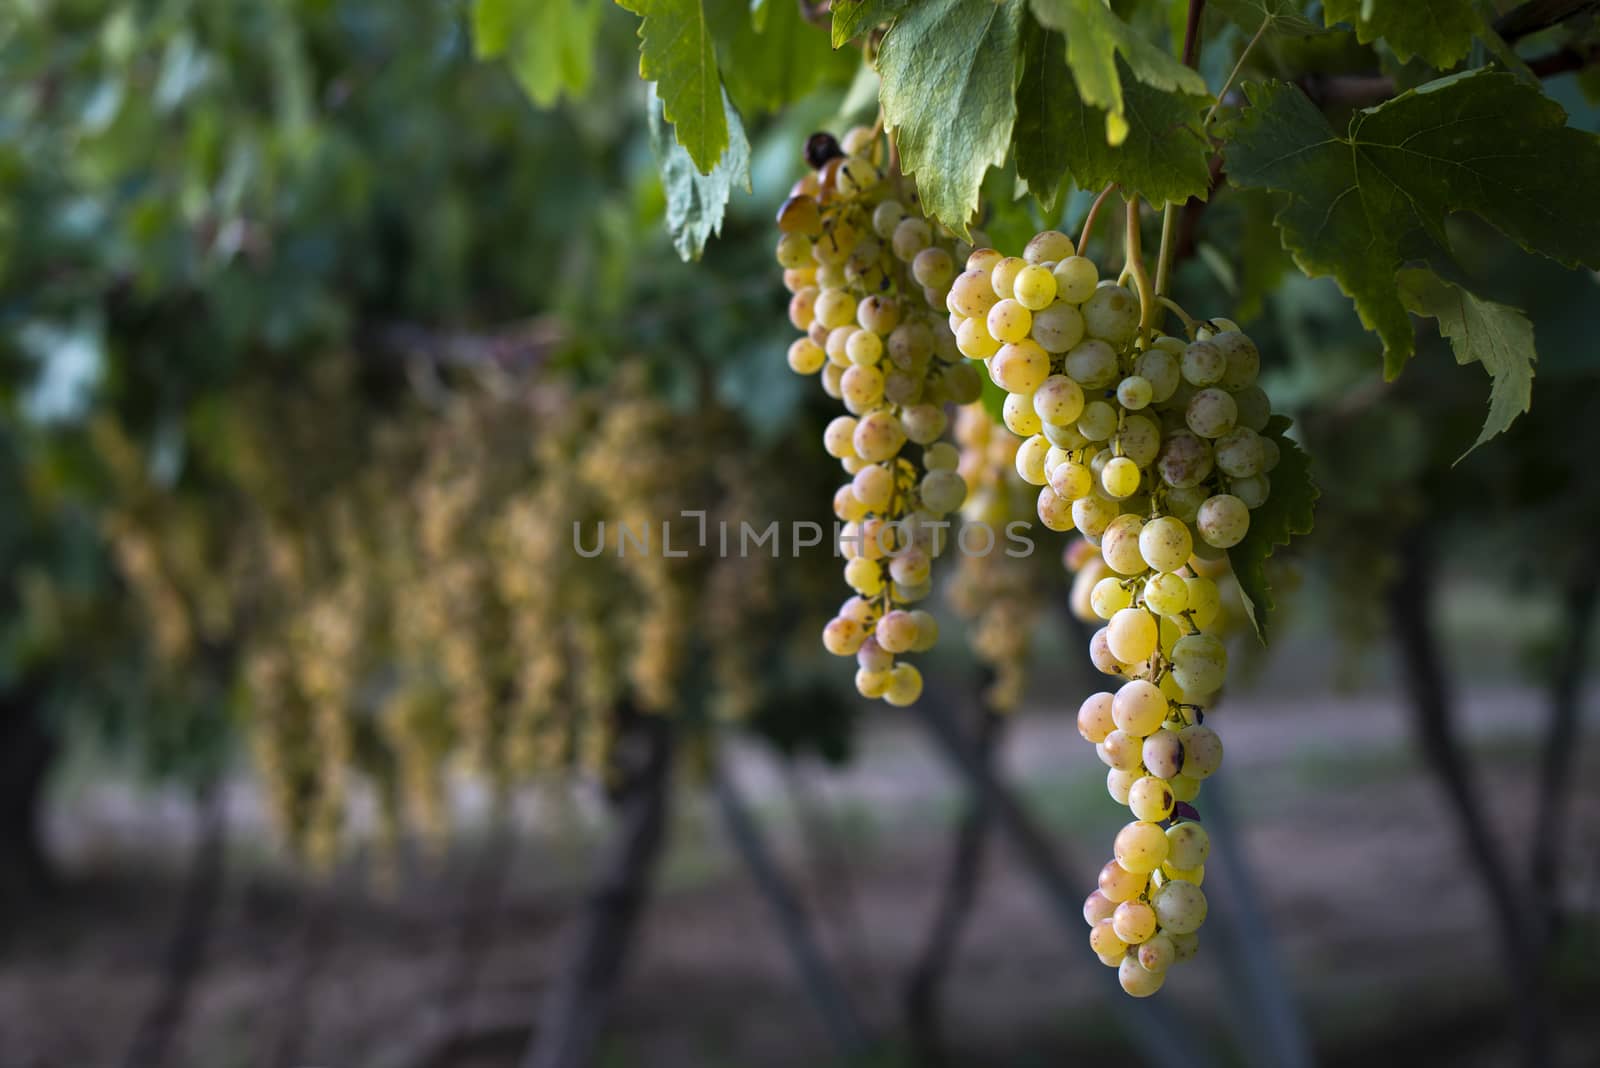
(1378, 927)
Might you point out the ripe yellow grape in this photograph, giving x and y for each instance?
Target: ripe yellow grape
(975, 341)
(1076, 279)
(1118, 884)
(1119, 782)
(1003, 276)
(1165, 594)
(1103, 939)
(1180, 907)
(1139, 707)
(1058, 401)
(1165, 543)
(871, 684)
(806, 357)
(1021, 367)
(1048, 246)
(842, 637)
(1137, 980)
(905, 685)
(1034, 287)
(1140, 847)
(1009, 321)
(864, 576)
(1132, 635)
(1054, 511)
(1030, 459)
(1151, 799)
(1189, 845)
(1157, 954)
(1094, 717)
(1071, 480)
(1120, 478)
(1134, 922)
(1097, 907)
(1058, 327)
(1019, 415)
(1109, 596)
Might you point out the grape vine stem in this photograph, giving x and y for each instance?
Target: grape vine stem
(1088, 220)
(1191, 53)
(1141, 276)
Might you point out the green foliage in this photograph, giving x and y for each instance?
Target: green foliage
(766, 67)
(695, 201)
(947, 68)
(678, 52)
(1288, 511)
(1440, 31)
(1282, 17)
(549, 44)
(851, 18)
(1483, 332)
(1162, 157)
(1361, 206)
(1096, 38)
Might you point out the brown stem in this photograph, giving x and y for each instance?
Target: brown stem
(1088, 220)
(1561, 745)
(196, 913)
(958, 893)
(1538, 15)
(576, 1007)
(1433, 705)
(1191, 32)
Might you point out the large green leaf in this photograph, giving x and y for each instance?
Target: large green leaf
(1440, 31)
(1163, 157)
(1290, 510)
(765, 69)
(1096, 37)
(947, 68)
(1282, 17)
(1480, 331)
(696, 202)
(851, 18)
(1042, 121)
(549, 44)
(1360, 206)
(677, 52)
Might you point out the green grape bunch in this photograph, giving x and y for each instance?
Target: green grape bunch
(869, 276)
(1151, 447)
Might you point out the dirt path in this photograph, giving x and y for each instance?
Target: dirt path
(1380, 930)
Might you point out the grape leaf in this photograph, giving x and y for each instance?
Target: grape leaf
(764, 69)
(1361, 205)
(676, 52)
(1095, 38)
(759, 10)
(854, 17)
(1282, 17)
(696, 202)
(947, 68)
(1163, 157)
(1440, 31)
(1498, 336)
(1041, 130)
(548, 44)
(1290, 510)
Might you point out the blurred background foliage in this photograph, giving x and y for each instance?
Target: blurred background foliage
(303, 304)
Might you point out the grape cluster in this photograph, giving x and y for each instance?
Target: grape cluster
(1152, 448)
(870, 275)
(997, 594)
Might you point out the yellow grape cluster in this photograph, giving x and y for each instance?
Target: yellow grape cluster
(1150, 446)
(998, 595)
(407, 605)
(869, 274)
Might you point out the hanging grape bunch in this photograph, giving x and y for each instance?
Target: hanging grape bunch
(1151, 447)
(869, 276)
